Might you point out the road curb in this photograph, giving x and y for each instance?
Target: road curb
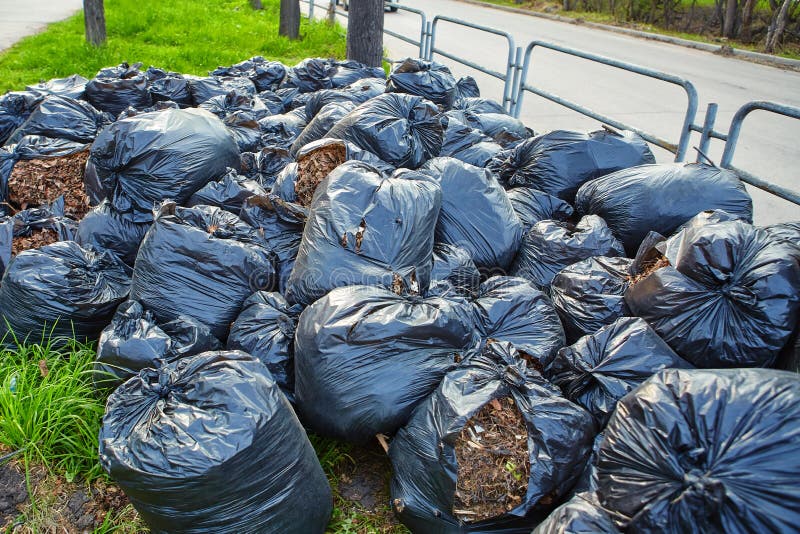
(723, 50)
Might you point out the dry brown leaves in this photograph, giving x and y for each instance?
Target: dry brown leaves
(38, 238)
(315, 167)
(648, 269)
(41, 181)
(493, 462)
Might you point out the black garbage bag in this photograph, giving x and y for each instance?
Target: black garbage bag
(272, 101)
(365, 357)
(582, 514)
(202, 262)
(63, 118)
(282, 130)
(479, 154)
(204, 89)
(500, 127)
(168, 86)
(60, 291)
(232, 101)
(265, 330)
(559, 162)
(788, 233)
(113, 89)
(704, 451)
(169, 154)
(321, 124)
(729, 297)
(265, 75)
(134, 341)
(245, 129)
(73, 86)
(590, 294)
(281, 224)
(403, 130)
(532, 206)
(459, 137)
(454, 265)
(478, 105)
(550, 246)
(476, 214)
(661, 197)
(603, 367)
(15, 108)
(425, 468)
(319, 99)
(25, 222)
(229, 193)
(310, 75)
(511, 309)
(104, 228)
(467, 87)
(427, 79)
(265, 165)
(364, 228)
(158, 106)
(210, 444)
(587, 482)
(348, 72)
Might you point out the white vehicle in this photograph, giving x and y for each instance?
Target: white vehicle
(346, 4)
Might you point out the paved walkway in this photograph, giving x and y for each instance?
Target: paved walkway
(20, 18)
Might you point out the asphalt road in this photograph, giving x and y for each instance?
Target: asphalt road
(19, 18)
(767, 147)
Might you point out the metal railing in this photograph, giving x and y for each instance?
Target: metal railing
(678, 148)
(511, 64)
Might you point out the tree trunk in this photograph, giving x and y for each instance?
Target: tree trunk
(256, 4)
(94, 19)
(365, 32)
(776, 28)
(290, 19)
(729, 26)
(745, 31)
(332, 13)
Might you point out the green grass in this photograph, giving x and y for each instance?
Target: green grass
(187, 36)
(48, 408)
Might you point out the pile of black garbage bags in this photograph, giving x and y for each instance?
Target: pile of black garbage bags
(449, 256)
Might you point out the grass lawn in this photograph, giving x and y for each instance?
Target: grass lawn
(187, 36)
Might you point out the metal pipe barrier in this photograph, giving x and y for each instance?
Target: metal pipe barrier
(511, 65)
(679, 148)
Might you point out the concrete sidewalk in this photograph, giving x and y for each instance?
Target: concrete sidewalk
(21, 18)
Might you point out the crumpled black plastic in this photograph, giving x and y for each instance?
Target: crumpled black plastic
(349, 71)
(265, 330)
(788, 232)
(403, 130)
(321, 124)
(550, 246)
(424, 460)
(660, 198)
(73, 86)
(168, 86)
(705, 452)
(282, 130)
(603, 367)
(319, 99)
(587, 482)
(311, 74)
(281, 225)
(582, 514)
(467, 87)
(245, 129)
(728, 299)
(149, 158)
(134, 340)
(263, 166)
(24, 222)
(478, 105)
(532, 206)
(204, 89)
(202, 262)
(265, 75)
(106, 229)
(113, 89)
(364, 228)
(15, 108)
(511, 309)
(365, 357)
(427, 79)
(63, 118)
(590, 294)
(459, 137)
(60, 291)
(228, 193)
(210, 444)
(559, 162)
(476, 214)
(454, 265)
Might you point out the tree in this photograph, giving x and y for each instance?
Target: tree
(94, 20)
(365, 32)
(729, 24)
(290, 19)
(256, 4)
(776, 28)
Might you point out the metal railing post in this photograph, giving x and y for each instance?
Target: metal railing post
(705, 135)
